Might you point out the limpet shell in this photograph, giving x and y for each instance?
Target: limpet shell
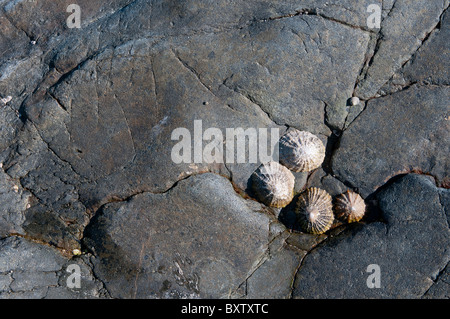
(314, 211)
(273, 184)
(350, 207)
(301, 151)
(354, 101)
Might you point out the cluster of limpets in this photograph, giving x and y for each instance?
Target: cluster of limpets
(273, 184)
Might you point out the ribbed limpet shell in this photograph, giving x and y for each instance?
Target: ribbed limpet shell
(349, 207)
(314, 211)
(273, 184)
(301, 151)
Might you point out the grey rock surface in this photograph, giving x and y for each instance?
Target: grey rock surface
(396, 46)
(32, 270)
(414, 237)
(86, 122)
(403, 132)
(187, 246)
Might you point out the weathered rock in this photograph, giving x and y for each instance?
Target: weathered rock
(403, 132)
(282, 259)
(272, 65)
(13, 203)
(429, 65)
(197, 240)
(30, 268)
(410, 248)
(90, 117)
(396, 47)
(132, 120)
(319, 178)
(441, 288)
(89, 286)
(54, 213)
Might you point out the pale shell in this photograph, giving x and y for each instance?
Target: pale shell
(314, 211)
(273, 184)
(301, 151)
(349, 207)
(354, 101)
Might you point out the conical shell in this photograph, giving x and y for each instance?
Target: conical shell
(273, 184)
(350, 207)
(301, 151)
(315, 211)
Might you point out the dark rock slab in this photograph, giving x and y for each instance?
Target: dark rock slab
(403, 132)
(441, 288)
(395, 47)
(282, 259)
(429, 65)
(126, 102)
(35, 271)
(199, 239)
(91, 115)
(53, 213)
(27, 268)
(285, 66)
(319, 178)
(14, 202)
(90, 287)
(43, 21)
(411, 248)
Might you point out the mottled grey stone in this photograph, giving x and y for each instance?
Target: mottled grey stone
(28, 268)
(273, 63)
(444, 196)
(89, 288)
(13, 203)
(274, 277)
(18, 254)
(441, 287)
(410, 248)
(319, 178)
(132, 120)
(54, 213)
(395, 46)
(429, 65)
(33, 271)
(188, 244)
(90, 123)
(403, 132)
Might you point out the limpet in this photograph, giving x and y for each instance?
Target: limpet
(301, 151)
(273, 184)
(350, 207)
(314, 211)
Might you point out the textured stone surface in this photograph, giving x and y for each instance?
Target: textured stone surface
(399, 133)
(411, 248)
(86, 117)
(187, 245)
(14, 202)
(397, 46)
(33, 271)
(429, 65)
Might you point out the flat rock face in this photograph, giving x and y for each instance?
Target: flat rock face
(410, 249)
(123, 138)
(397, 46)
(187, 245)
(31, 270)
(403, 132)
